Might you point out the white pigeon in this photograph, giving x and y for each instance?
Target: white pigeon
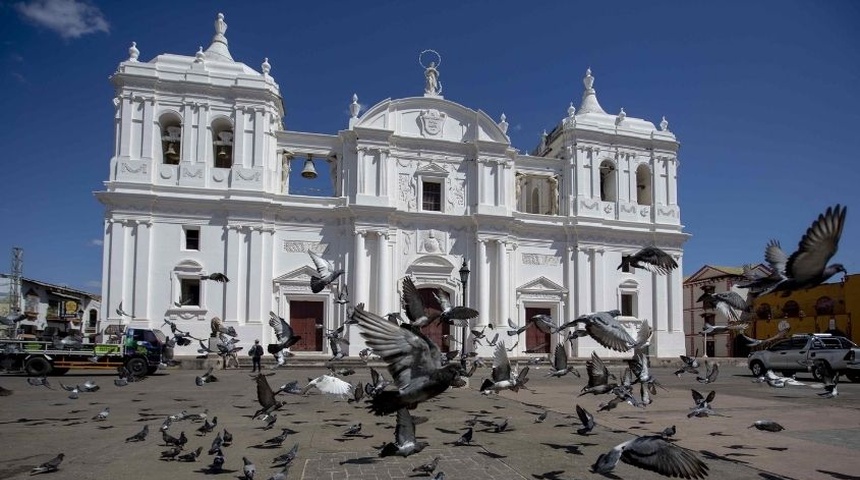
(102, 415)
(329, 385)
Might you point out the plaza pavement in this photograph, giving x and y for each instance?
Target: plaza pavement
(820, 440)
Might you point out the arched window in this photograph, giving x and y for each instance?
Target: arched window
(607, 181)
(222, 143)
(824, 306)
(643, 185)
(535, 203)
(791, 308)
(763, 311)
(171, 138)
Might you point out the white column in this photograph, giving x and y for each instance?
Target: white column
(383, 274)
(598, 268)
(382, 173)
(675, 298)
(254, 277)
(233, 272)
(116, 275)
(484, 287)
(239, 157)
(360, 276)
(583, 284)
(268, 239)
(125, 114)
(204, 138)
(672, 180)
(570, 282)
(258, 150)
(127, 267)
(142, 275)
(503, 273)
(149, 124)
(659, 302)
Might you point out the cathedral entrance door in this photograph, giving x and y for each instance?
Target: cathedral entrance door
(537, 341)
(304, 318)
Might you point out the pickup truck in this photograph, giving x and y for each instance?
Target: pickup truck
(809, 352)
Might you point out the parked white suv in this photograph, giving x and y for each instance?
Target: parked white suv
(809, 352)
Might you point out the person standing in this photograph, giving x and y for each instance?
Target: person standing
(256, 355)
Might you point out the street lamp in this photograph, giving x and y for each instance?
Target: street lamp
(464, 279)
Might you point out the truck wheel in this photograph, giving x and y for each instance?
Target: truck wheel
(757, 368)
(38, 367)
(137, 366)
(819, 369)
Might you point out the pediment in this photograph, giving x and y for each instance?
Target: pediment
(432, 168)
(432, 262)
(432, 118)
(709, 272)
(300, 275)
(541, 284)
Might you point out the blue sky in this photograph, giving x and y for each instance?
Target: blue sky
(764, 97)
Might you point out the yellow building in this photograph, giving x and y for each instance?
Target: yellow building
(826, 308)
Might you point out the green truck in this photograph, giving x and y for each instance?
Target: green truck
(140, 350)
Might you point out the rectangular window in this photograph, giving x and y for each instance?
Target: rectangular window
(192, 239)
(431, 196)
(627, 305)
(189, 290)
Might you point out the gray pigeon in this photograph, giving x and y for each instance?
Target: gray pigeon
(286, 459)
(286, 336)
(655, 454)
(650, 258)
(598, 377)
(414, 362)
(191, 456)
(139, 436)
(39, 382)
(586, 419)
(11, 320)
(504, 377)
(205, 378)
(51, 465)
(326, 273)
(102, 415)
(249, 470)
(465, 439)
(428, 467)
(767, 425)
(559, 367)
(404, 443)
(607, 331)
(712, 371)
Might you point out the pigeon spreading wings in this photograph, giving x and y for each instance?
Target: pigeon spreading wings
(414, 362)
(283, 330)
(265, 396)
(607, 331)
(329, 385)
(655, 454)
(325, 269)
(217, 277)
(652, 259)
(413, 304)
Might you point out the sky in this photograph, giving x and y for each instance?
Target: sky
(764, 97)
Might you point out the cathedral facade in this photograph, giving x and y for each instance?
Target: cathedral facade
(203, 180)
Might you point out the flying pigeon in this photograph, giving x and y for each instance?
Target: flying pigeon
(729, 303)
(703, 405)
(806, 267)
(598, 377)
(504, 377)
(414, 362)
(514, 329)
(404, 443)
(11, 320)
(218, 277)
(39, 382)
(51, 465)
(655, 454)
(122, 313)
(712, 370)
(325, 269)
(329, 385)
(453, 315)
(286, 336)
(559, 366)
(544, 323)
(266, 397)
(586, 419)
(764, 343)
(607, 331)
(691, 365)
(650, 258)
(767, 425)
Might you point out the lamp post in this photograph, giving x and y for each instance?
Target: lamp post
(464, 280)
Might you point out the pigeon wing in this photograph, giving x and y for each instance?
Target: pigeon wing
(585, 418)
(817, 246)
(775, 257)
(697, 397)
(323, 266)
(405, 430)
(408, 353)
(655, 260)
(598, 374)
(733, 299)
(411, 300)
(333, 385)
(461, 313)
(655, 454)
(501, 363)
(265, 395)
(608, 332)
(559, 361)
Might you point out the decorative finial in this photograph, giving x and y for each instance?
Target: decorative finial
(218, 50)
(220, 25)
(133, 52)
(199, 57)
(503, 124)
(664, 125)
(354, 107)
(571, 110)
(588, 81)
(542, 142)
(266, 66)
(621, 116)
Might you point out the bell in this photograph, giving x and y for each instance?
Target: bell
(171, 152)
(222, 152)
(309, 171)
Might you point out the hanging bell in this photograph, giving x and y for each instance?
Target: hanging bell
(171, 152)
(222, 152)
(309, 171)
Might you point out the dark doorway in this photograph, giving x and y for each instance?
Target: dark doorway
(709, 348)
(304, 318)
(537, 341)
(435, 330)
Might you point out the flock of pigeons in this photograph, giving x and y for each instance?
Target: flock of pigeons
(419, 371)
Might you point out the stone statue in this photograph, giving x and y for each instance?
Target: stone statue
(553, 192)
(432, 76)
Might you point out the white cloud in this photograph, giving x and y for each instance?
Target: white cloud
(97, 242)
(68, 18)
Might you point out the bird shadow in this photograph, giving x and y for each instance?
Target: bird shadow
(262, 446)
(569, 449)
(494, 456)
(360, 461)
(610, 475)
(713, 456)
(719, 434)
(770, 476)
(782, 449)
(553, 475)
(446, 431)
(840, 476)
(105, 427)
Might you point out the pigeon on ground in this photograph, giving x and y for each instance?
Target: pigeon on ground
(504, 377)
(326, 273)
(51, 465)
(216, 444)
(39, 382)
(171, 454)
(501, 426)
(668, 432)
(404, 443)
(703, 405)
(5, 392)
(427, 468)
(329, 385)
(806, 267)
(277, 441)
(586, 419)
(559, 367)
(217, 465)
(249, 469)
(207, 377)
(439, 476)
(650, 258)
(829, 379)
(88, 386)
(778, 381)
(540, 418)
(191, 456)
(139, 436)
(208, 427)
(173, 441)
(352, 430)
(767, 425)
(270, 420)
(712, 371)
(465, 439)
(103, 415)
(414, 362)
(228, 438)
(286, 459)
(655, 454)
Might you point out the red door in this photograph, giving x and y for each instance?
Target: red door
(537, 341)
(435, 330)
(304, 318)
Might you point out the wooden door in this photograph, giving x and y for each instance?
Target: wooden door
(537, 341)
(304, 318)
(435, 330)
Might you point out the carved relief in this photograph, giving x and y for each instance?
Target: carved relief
(667, 212)
(408, 191)
(219, 175)
(141, 168)
(456, 193)
(299, 246)
(432, 122)
(540, 259)
(433, 242)
(589, 204)
(408, 238)
(166, 172)
(192, 172)
(253, 176)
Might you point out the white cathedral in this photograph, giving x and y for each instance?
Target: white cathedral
(200, 182)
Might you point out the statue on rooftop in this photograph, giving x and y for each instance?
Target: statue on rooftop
(432, 86)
